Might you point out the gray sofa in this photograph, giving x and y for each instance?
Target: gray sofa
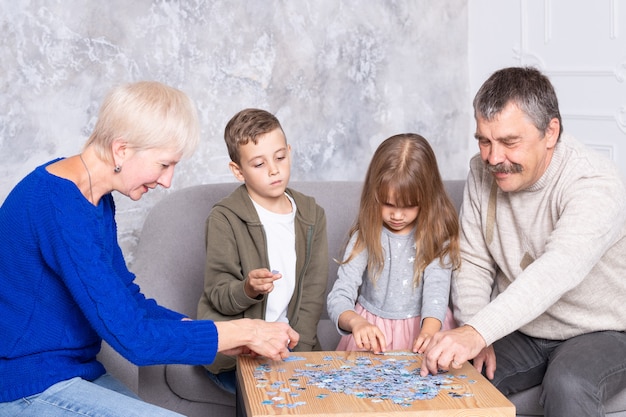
(169, 266)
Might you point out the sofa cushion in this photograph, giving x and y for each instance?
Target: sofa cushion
(192, 384)
(527, 403)
(327, 334)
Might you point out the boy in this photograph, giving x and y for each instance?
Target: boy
(267, 252)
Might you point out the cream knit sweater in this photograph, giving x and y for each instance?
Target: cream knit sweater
(550, 260)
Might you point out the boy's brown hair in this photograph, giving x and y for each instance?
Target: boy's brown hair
(246, 126)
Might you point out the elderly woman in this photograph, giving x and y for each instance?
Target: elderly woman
(64, 285)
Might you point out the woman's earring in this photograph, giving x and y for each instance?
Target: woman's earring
(117, 168)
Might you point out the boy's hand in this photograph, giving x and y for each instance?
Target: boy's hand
(260, 281)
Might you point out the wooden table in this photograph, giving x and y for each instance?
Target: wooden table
(269, 388)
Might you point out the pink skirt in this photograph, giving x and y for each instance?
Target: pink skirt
(399, 333)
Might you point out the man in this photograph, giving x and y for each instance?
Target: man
(541, 291)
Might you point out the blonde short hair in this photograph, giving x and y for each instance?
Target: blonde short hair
(146, 115)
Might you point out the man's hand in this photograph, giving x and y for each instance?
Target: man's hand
(486, 358)
(451, 348)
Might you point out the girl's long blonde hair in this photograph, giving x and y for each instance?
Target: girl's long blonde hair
(404, 166)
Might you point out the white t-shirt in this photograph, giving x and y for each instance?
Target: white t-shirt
(281, 251)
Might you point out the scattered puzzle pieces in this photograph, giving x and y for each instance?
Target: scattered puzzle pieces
(386, 377)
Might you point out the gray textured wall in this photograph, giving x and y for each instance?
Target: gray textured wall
(341, 75)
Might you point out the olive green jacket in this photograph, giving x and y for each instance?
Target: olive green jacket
(236, 244)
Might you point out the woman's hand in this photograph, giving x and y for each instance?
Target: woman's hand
(257, 337)
(273, 340)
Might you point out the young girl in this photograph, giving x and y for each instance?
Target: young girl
(406, 240)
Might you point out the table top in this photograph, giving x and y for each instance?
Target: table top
(350, 384)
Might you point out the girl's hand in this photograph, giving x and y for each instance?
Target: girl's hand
(366, 335)
(421, 342)
(369, 337)
(430, 326)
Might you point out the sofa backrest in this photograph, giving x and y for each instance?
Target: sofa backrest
(170, 255)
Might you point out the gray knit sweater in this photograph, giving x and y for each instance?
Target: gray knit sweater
(555, 253)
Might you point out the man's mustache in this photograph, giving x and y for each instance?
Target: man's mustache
(504, 168)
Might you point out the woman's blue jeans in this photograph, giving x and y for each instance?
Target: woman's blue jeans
(576, 375)
(104, 397)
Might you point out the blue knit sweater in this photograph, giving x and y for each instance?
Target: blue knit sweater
(64, 287)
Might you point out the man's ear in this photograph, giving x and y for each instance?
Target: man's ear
(236, 170)
(552, 133)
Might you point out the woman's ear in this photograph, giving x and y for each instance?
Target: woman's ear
(119, 149)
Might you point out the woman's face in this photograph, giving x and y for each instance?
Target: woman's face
(145, 169)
